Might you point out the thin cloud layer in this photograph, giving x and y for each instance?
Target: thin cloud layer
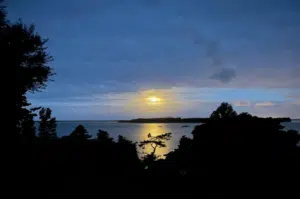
(265, 104)
(241, 103)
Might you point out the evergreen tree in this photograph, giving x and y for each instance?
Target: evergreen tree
(80, 133)
(123, 140)
(155, 142)
(23, 53)
(47, 128)
(104, 137)
(224, 111)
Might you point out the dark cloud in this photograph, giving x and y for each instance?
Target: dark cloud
(225, 75)
(212, 49)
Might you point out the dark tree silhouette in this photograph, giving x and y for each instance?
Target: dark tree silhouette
(28, 128)
(47, 127)
(244, 148)
(80, 133)
(184, 143)
(3, 20)
(155, 142)
(23, 51)
(224, 111)
(124, 140)
(180, 157)
(245, 115)
(104, 137)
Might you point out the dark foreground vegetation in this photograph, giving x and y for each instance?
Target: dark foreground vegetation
(230, 155)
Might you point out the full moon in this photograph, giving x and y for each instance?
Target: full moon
(153, 99)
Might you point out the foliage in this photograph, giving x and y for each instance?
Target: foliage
(23, 51)
(224, 111)
(185, 142)
(3, 20)
(245, 115)
(80, 133)
(244, 144)
(154, 142)
(180, 157)
(26, 127)
(104, 137)
(47, 125)
(123, 140)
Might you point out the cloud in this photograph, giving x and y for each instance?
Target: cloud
(265, 104)
(212, 48)
(294, 97)
(241, 103)
(178, 101)
(285, 109)
(225, 75)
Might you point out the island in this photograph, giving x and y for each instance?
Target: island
(166, 120)
(280, 119)
(184, 120)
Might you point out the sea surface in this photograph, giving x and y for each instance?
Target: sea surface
(138, 132)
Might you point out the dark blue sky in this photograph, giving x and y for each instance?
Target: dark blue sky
(110, 55)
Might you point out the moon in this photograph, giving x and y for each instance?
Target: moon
(153, 99)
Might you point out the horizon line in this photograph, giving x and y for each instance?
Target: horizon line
(70, 120)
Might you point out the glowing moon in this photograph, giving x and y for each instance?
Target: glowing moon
(153, 99)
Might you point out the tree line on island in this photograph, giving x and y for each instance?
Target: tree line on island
(230, 152)
(183, 120)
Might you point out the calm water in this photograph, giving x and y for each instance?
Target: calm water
(139, 132)
(134, 132)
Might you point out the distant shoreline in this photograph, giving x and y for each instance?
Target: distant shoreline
(159, 122)
(166, 120)
(181, 120)
(201, 120)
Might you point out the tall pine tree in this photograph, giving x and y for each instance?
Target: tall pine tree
(80, 133)
(47, 127)
(23, 54)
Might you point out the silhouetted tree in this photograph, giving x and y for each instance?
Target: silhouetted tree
(224, 111)
(47, 127)
(244, 147)
(245, 115)
(28, 129)
(80, 133)
(185, 142)
(23, 52)
(155, 142)
(104, 137)
(180, 157)
(127, 148)
(3, 20)
(124, 140)
(241, 148)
